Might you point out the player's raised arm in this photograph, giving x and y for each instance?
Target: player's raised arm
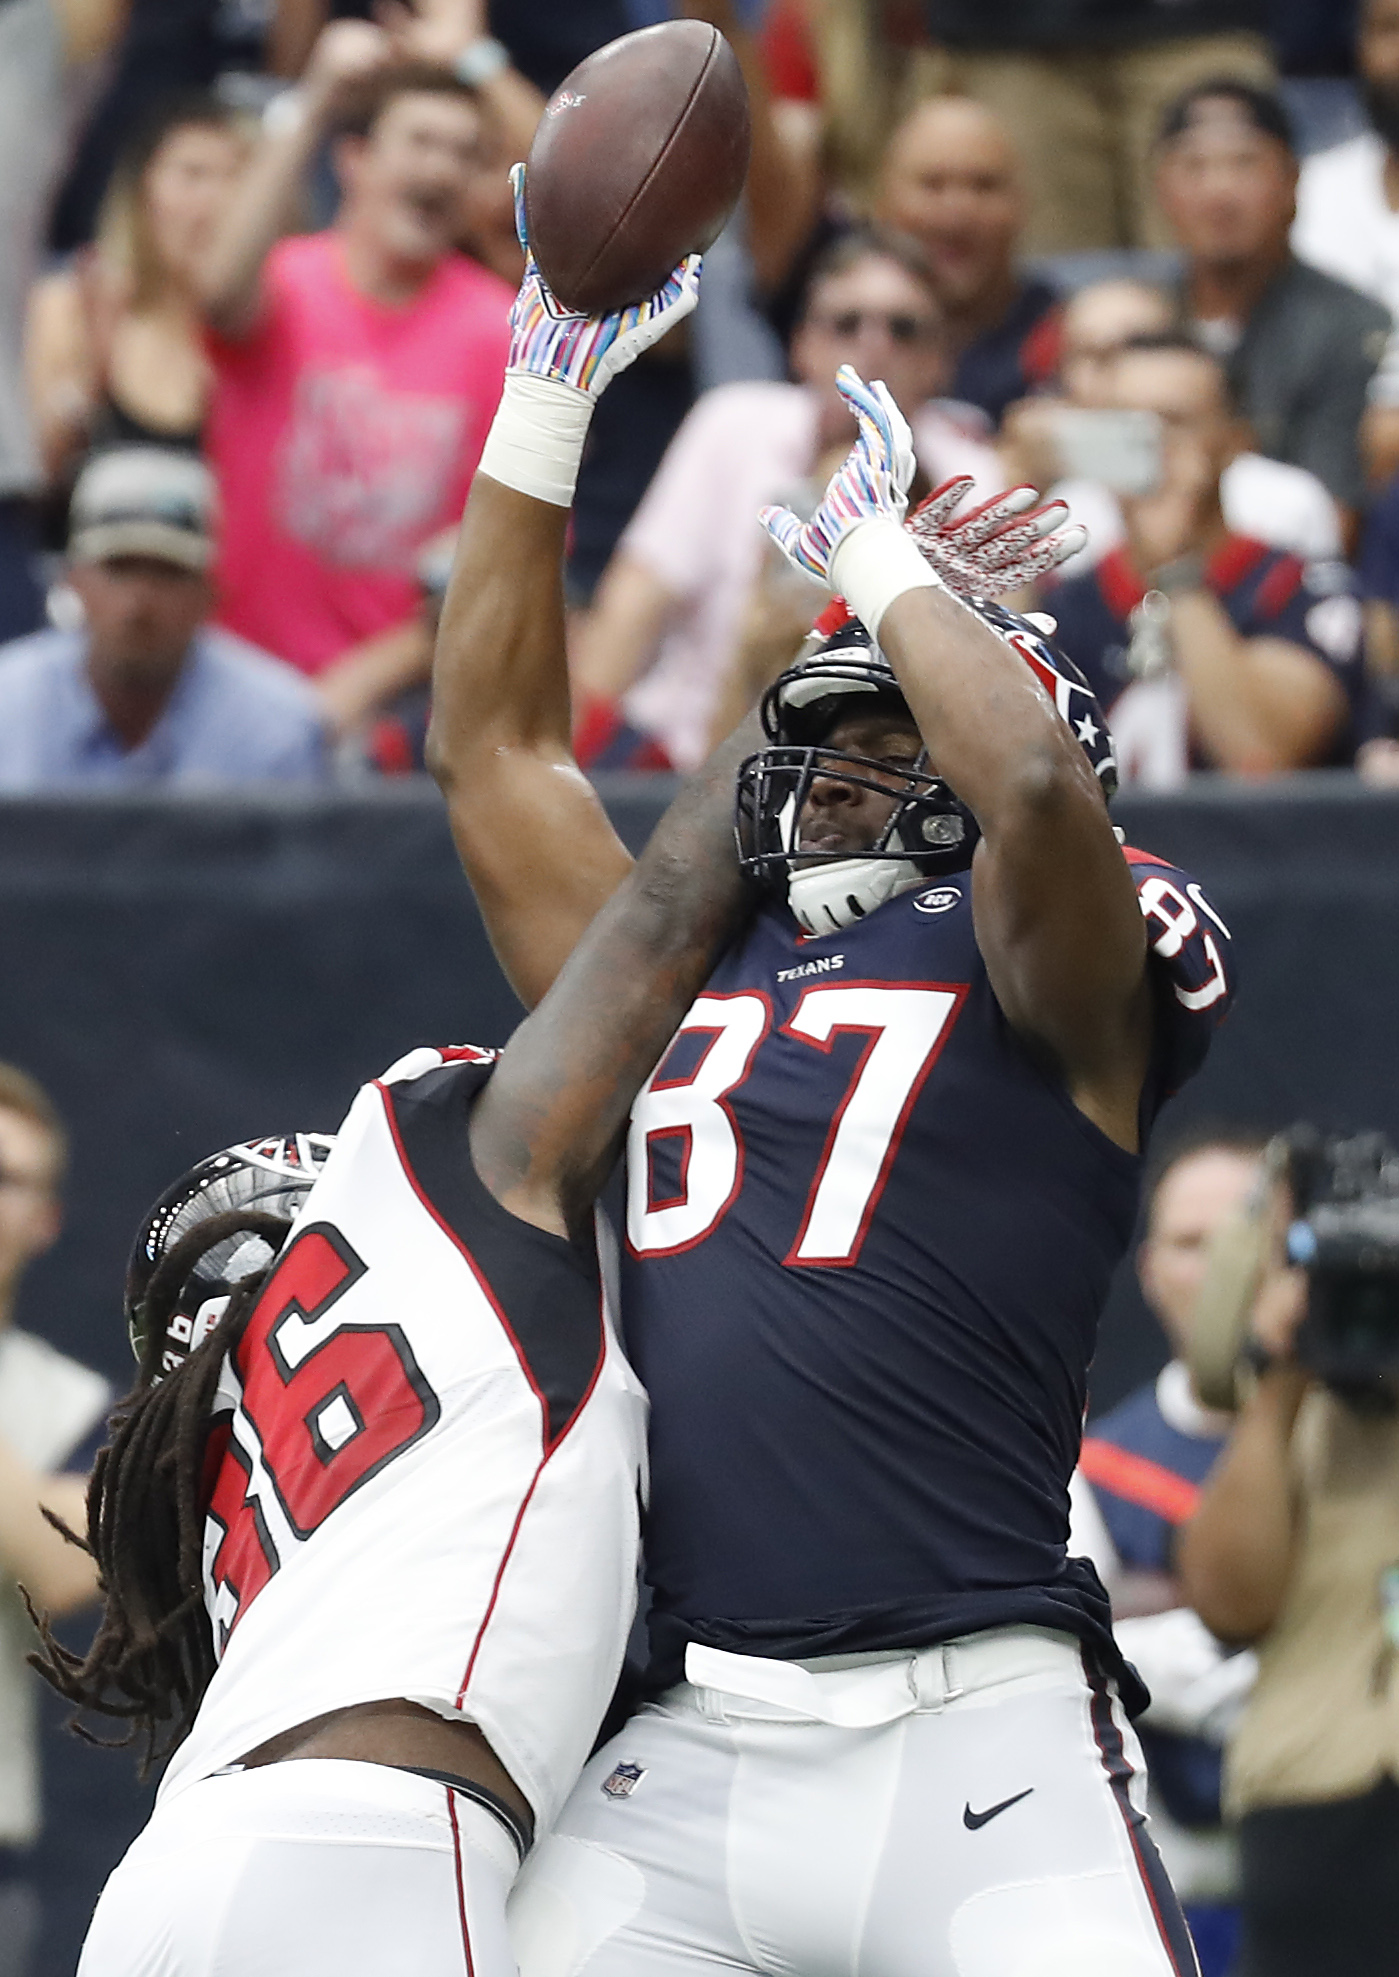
(1057, 918)
(548, 1126)
(536, 843)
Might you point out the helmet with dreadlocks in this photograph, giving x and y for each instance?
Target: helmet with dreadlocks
(929, 830)
(250, 1188)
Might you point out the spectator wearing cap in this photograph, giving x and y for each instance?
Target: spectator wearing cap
(356, 370)
(663, 633)
(952, 181)
(146, 691)
(1301, 347)
(1207, 648)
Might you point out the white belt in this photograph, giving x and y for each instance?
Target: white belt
(880, 1691)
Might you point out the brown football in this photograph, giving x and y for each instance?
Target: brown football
(638, 161)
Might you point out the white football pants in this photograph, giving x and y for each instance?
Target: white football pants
(972, 1810)
(318, 1867)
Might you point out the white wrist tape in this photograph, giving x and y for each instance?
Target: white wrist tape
(536, 439)
(875, 563)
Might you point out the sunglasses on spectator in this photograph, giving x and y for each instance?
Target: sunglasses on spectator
(901, 326)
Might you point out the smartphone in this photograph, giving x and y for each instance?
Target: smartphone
(1122, 450)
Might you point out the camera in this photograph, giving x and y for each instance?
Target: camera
(1345, 1235)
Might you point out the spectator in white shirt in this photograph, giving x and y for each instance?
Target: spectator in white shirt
(1285, 506)
(1348, 218)
(49, 1408)
(662, 635)
(1348, 196)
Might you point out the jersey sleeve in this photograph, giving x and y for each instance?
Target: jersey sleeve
(1192, 954)
(1313, 605)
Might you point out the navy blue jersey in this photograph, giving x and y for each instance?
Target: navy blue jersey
(1014, 356)
(869, 1237)
(1266, 593)
(1147, 1474)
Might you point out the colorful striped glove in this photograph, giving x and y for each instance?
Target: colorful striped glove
(871, 483)
(560, 364)
(856, 542)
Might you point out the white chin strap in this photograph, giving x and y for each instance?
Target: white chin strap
(826, 898)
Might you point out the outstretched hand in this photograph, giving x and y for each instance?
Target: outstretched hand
(871, 483)
(587, 352)
(999, 547)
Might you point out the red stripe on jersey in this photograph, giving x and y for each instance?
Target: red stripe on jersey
(1279, 587)
(470, 1260)
(549, 1448)
(1236, 557)
(1122, 589)
(1043, 348)
(1135, 857)
(550, 1451)
(461, 1882)
(1138, 1480)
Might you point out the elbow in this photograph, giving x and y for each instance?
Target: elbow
(1045, 784)
(438, 757)
(1238, 1606)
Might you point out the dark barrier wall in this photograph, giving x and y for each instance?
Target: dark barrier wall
(182, 974)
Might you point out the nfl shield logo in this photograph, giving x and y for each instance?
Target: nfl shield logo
(621, 1783)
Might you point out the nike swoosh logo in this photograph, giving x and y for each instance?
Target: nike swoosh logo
(974, 1821)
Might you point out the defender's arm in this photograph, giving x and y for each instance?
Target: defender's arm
(547, 1128)
(534, 839)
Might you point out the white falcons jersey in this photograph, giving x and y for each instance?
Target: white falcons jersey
(427, 1459)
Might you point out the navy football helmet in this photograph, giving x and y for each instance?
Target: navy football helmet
(261, 1178)
(930, 831)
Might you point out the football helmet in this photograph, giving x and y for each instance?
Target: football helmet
(259, 1177)
(929, 831)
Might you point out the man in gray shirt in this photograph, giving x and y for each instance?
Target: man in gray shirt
(145, 691)
(1300, 347)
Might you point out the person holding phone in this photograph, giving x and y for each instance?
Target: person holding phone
(1074, 441)
(1209, 648)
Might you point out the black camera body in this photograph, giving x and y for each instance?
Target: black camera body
(1346, 1236)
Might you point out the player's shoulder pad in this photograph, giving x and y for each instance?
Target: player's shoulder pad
(417, 1063)
(1187, 936)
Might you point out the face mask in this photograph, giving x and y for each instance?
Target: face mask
(1382, 108)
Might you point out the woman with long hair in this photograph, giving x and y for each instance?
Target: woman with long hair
(115, 345)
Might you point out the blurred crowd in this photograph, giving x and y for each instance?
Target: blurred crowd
(257, 261)
(256, 258)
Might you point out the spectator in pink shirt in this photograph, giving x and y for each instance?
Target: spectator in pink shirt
(356, 370)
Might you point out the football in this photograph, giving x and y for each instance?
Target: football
(638, 161)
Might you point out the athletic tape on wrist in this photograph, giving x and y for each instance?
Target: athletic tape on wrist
(536, 439)
(876, 562)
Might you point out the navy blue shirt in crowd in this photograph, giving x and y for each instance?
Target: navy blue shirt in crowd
(1266, 593)
(869, 1239)
(1011, 360)
(1147, 1474)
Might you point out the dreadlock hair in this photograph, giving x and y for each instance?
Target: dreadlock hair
(153, 1654)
